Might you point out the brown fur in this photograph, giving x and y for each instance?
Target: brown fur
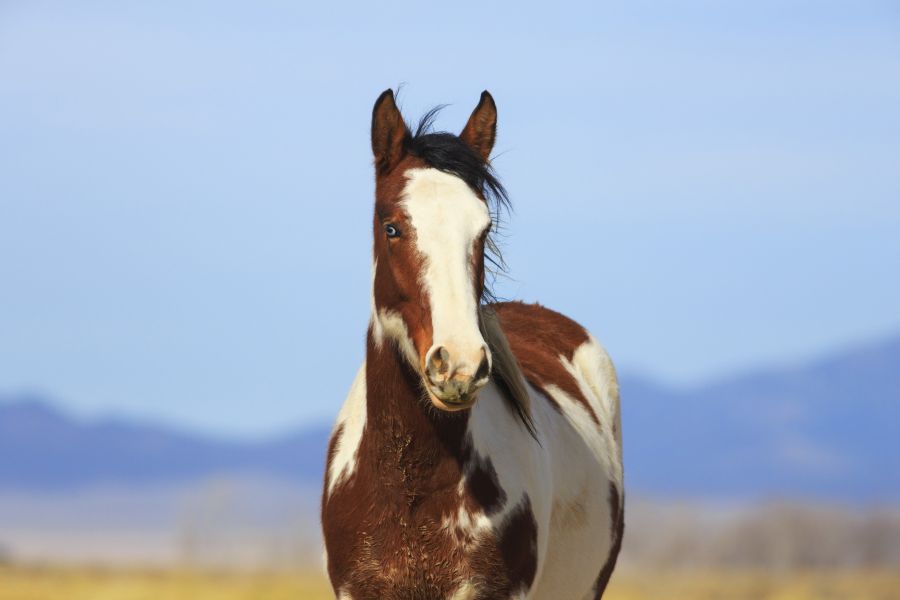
(481, 477)
(390, 527)
(388, 132)
(383, 525)
(518, 545)
(481, 129)
(538, 337)
(617, 512)
(399, 267)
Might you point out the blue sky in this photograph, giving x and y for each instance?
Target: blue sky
(186, 188)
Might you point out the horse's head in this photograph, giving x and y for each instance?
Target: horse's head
(431, 227)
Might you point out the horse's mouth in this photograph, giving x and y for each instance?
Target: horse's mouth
(450, 403)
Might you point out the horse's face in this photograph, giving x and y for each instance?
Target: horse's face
(430, 230)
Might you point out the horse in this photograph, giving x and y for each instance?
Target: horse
(478, 454)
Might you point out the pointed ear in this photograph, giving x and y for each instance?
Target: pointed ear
(388, 132)
(481, 130)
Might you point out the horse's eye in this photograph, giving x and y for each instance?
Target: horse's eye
(391, 230)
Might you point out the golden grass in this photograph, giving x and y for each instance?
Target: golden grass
(755, 585)
(48, 583)
(103, 584)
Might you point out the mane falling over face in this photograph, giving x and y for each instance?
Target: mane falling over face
(431, 230)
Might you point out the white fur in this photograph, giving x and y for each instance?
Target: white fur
(593, 370)
(390, 326)
(566, 476)
(592, 367)
(447, 218)
(466, 591)
(353, 419)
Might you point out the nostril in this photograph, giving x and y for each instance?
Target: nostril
(484, 368)
(439, 361)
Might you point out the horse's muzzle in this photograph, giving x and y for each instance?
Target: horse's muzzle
(452, 384)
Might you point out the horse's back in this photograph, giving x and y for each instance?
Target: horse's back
(579, 399)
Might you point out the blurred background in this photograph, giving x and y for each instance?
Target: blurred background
(713, 188)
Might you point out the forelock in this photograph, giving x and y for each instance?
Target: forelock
(448, 153)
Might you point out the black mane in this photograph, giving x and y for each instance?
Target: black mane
(448, 153)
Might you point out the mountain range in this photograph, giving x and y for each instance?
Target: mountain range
(825, 430)
(42, 448)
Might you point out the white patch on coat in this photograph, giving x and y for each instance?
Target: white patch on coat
(352, 421)
(581, 527)
(601, 443)
(521, 464)
(464, 524)
(466, 591)
(387, 324)
(566, 477)
(448, 218)
(593, 371)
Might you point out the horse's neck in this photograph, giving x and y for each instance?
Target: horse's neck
(411, 440)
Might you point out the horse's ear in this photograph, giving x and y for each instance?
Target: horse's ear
(481, 130)
(388, 132)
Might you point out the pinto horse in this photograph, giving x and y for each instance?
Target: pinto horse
(479, 454)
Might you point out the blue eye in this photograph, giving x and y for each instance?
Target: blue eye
(391, 230)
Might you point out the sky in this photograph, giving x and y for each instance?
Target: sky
(186, 187)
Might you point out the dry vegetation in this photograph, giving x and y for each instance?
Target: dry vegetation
(672, 552)
(103, 584)
(777, 537)
(20, 583)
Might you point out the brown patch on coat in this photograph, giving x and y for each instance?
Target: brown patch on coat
(391, 530)
(538, 337)
(483, 485)
(476, 262)
(518, 545)
(617, 515)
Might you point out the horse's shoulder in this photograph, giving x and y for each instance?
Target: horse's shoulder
(556, 353)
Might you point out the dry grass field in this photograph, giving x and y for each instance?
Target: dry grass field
(34, 583)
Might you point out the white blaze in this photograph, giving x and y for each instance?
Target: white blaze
(447, 218)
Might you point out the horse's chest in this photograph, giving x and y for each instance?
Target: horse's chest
(431, 549)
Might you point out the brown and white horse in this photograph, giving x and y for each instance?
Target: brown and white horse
(478, 454)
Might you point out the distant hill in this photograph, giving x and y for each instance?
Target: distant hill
(42, 448)
(828, 429)
(825, 430)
